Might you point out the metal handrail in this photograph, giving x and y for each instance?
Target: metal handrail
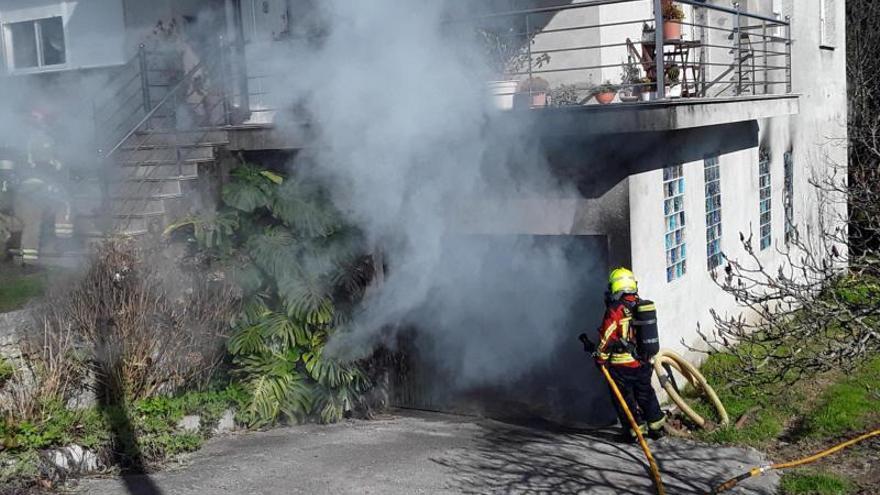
(186, 79)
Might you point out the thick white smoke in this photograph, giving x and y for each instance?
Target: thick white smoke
(406, 138)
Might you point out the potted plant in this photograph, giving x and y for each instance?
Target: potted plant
(507, 54)
(532, 93)
(673, 14)
(649, 89)
(630, 77)
(605, 92)
(673, 77)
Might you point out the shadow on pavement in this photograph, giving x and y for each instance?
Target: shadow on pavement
(512, 459)
(126, 453)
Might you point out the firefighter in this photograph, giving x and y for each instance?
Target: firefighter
(7, 180)
(618, 350)
(39, 193)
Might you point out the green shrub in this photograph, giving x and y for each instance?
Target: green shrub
(804, 482)
(303, 269)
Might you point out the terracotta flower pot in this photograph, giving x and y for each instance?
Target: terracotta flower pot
(671, 30)
(606, 97)
(539, 99)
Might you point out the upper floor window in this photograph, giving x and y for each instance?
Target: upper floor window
(788, 197)
(766, 199)
(35, 44)
(673, 212)
(827, 24)
(712, 175)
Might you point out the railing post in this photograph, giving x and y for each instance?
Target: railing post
(788, 84)
(145, 80)
(737, 34)
(223, 74)
(765, 46)
(529, 48)
(659, 63)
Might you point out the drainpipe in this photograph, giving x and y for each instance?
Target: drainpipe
(659, 64)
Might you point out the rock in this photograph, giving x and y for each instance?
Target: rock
(190, 424)
(73, 459)
(226, 423)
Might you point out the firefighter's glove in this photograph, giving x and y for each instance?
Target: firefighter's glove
(589, 347)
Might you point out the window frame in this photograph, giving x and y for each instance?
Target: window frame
(675, 222)
(765, 200)
(9, 45)
(789, 232)
(713, 201)
(827, 25)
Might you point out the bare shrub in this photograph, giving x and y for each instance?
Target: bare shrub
(131, 327)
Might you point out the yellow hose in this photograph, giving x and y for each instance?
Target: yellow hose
(759, 471)
(655, 471)
(697, 380)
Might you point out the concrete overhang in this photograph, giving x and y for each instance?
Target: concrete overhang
(659, 116)
(581, 121)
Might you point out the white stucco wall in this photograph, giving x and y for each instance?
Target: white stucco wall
(817, 138)
(94, 30)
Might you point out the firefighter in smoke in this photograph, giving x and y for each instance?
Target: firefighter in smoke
(39, 193)
(627, 341)
(7, 179)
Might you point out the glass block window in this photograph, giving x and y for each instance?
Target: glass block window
(712, 176)
(788, 197)
(766, 205)
(673, 212)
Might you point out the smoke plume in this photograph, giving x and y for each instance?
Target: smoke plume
(408, 140)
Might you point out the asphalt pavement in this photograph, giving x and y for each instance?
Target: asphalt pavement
(427, 453)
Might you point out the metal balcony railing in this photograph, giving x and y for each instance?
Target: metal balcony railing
(637, 50)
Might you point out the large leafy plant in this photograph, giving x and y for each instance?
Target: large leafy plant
(301, 269)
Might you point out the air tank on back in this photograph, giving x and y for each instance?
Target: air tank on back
(647, 334)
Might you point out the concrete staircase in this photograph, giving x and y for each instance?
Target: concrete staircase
(157, 178)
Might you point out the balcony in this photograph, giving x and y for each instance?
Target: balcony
(603, 66)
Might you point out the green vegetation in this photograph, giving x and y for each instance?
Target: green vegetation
(806, 482)
(795, 413)
(146, 429)
(18, 287)
(302, 269)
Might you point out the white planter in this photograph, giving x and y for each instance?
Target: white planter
(502, 93)
(649, 95)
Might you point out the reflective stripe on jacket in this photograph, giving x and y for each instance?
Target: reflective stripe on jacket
(614, 335)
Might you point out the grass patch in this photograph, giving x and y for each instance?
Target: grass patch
(852, 404)
(823, 413)
(18, 288)
(807, 482)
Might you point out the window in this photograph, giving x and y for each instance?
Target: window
(788, 197)
(712, 176)
(827, 24)
(673, 211)
(35, 44)
(765, 193)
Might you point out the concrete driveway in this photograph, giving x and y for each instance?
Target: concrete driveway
(412, 453)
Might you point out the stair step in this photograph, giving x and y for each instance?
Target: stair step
(137, 208)
(201, 136)
(165, 154)
(160, 172)
(147, 189)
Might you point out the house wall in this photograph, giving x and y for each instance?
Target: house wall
(94, 30)
(816, 137)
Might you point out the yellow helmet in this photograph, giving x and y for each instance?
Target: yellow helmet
(622, 281)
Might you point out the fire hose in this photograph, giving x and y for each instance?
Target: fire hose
(655, 471)
(760, 471)
(661, 362)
